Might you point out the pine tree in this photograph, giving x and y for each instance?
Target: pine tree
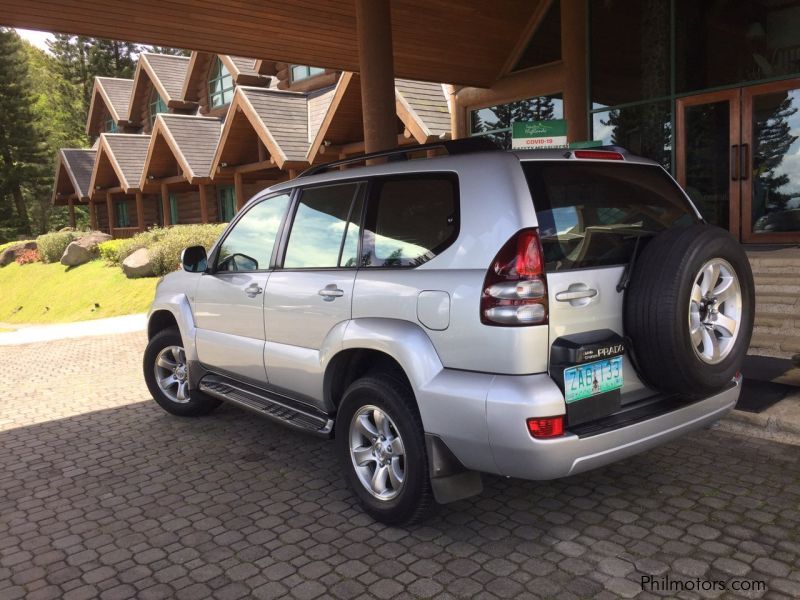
(167, 50)
(22, 151)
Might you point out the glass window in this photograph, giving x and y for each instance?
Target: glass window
(352, 236)
(111, 125)
(590, 215)
(410, 220)
(645, 129)
(155, 106)
(495, 122)
(630, 51)
(226, 200)
(545, 45)
(220, 85)
(248, 246)
(319, 226)
(300, 72)
(173, 209)
(122, 214)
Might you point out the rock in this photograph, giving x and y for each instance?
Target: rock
(75, 255)
(138, 264)
(10, 254)
(91, 240)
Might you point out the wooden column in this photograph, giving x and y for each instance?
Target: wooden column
(140, 210)
(92, 215)
(376, 64)
(238, 188)
(110, 209)
(71, 209)
(203, 204)
(165, 205)
(573, 55)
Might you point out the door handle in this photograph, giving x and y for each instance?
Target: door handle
(330, 292)
(569, 295)
(744, 163)
(253, 290)
(735, 163)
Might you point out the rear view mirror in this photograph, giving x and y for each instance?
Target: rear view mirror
(194, 259)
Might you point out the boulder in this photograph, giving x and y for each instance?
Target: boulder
(91, 240)
(138, 264)
(75, 255)
(10, 254)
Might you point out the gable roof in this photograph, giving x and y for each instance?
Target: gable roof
(242, 70)
(73, 173)
(167, 73)
(120, 161)
(427, 104)
(113, 94)
(184, 141)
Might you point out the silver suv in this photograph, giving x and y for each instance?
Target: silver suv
(528, 314)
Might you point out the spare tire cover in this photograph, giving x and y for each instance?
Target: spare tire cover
(689, 309)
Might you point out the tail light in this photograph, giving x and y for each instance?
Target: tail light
(546, 428)
(598, 154)
(514, 290)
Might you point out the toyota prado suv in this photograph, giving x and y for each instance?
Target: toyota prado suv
(529, 314)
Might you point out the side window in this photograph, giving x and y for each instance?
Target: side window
(248, 246)
(322, 219)
(410, 220)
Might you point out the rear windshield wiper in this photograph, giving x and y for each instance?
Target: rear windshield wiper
(625, 279)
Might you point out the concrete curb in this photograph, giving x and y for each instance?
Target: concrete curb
(780, 422)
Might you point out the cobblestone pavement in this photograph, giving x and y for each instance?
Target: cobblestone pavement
(102, 494)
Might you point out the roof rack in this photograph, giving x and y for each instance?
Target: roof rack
(461, 146)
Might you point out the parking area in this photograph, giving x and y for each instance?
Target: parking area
(102, 494)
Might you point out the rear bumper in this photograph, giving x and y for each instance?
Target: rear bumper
(517, 454)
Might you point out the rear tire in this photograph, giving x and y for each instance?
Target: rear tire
(689, 310)
(167, 377)
(381, 447)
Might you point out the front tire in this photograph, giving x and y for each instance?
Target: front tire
(381, 447)
(167, 376)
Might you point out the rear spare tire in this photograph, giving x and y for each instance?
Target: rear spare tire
(689, 309)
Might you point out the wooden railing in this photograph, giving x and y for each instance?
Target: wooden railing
(124, 232)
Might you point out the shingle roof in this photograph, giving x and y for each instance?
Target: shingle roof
(318, 104)
(170, 71)
(129, 151)
(118, 92)
(79, 163)
(429, 103)
(196, 138)
(246, 66)
(284, 115)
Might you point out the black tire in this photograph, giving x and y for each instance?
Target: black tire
(197, 404)
(394, 397)
(657, 305)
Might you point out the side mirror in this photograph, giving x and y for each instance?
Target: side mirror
(194, 259)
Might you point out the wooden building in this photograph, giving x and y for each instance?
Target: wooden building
(109, 107)
(73, 178)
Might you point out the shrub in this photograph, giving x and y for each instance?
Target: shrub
(52, 245)
(110, 250)
(27, 256)
(165, 251)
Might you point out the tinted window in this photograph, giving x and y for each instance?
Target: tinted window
(590, 214)
(248, 246)
(410, 220)
(319, 226)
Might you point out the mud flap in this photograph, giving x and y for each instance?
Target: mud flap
(450, 480)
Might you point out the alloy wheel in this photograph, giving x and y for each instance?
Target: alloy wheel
(172, 374)
(377, 452)
(715, 311)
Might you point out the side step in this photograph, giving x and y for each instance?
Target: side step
(278, 408)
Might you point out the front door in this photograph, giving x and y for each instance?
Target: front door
(737, 158)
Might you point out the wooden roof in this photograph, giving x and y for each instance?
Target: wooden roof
(111, 94)
(426, 106)
(73, 174)
(181, 144)
(464, 42)
(120, 161)
(242, 70)
(167, 74)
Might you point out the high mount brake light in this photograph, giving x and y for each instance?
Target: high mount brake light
(598, 154)
(514, 289)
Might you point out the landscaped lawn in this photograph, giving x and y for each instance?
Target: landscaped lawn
(51, 293)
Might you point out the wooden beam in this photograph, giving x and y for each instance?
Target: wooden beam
(573, 54)
(110, 209)
(168, 180)
(246, 168)
(167, 216)
(203, 203)
(239, 190)
(140, 210)
(92, 215)
(71, 208)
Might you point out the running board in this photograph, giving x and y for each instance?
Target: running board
(278, 408)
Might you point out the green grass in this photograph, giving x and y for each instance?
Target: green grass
(52, 293)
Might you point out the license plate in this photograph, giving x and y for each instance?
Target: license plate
(592, 378)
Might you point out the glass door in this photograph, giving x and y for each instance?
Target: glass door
(771, 151)
(709, 164)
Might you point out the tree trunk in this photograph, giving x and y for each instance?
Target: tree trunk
(22, 211)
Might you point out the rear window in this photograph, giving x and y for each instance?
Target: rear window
(590, 214)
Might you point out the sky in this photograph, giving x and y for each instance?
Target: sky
(37, 38)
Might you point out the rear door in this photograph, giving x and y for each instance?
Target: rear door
(592, 214)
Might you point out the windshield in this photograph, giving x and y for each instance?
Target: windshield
(590, 214)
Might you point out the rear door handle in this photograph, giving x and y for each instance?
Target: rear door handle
(569, 295)
(330, 292)
(253, 290)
